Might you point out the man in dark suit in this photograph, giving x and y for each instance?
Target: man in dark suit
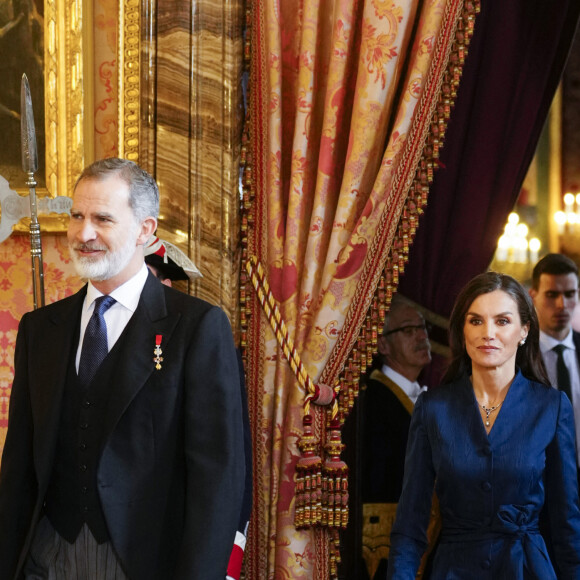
(130, 463)
(555, 294)
(168, 263)
(387, 401)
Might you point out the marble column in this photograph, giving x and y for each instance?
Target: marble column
(190, 132)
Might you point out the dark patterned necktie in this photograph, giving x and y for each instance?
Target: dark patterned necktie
(95, 347)
(563, 376)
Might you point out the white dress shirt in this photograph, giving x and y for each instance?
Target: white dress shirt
(117, 316)
(547, 343)
(412, 389)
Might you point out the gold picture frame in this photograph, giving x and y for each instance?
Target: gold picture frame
(67, 99)
(69, 81)
(69, 84)
(66, 93)
(129, 78)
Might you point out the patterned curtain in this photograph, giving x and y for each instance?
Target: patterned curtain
(516, 58)
(349, 101)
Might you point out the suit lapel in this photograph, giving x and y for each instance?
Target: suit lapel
(467, 410)
(402, 397)
(511, 413)
(48, 370)
(576, 340)
(137, 344)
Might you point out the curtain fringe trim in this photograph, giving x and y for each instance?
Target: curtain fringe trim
(322, 486)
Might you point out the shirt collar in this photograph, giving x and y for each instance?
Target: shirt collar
(548, 342)
(412, 389)
(126, 294)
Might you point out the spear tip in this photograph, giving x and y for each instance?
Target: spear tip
(27, 129)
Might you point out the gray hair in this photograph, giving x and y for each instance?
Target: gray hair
(397, 302)
(143, 191)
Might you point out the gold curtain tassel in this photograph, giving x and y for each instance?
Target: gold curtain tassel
(334, 482)
(308, 480)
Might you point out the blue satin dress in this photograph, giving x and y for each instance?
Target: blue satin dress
(491, 488)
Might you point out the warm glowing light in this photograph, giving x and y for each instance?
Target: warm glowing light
(560, 218)
(503, 246)
(511, 230)
(570, 217)
(522, 230)
(513, 245)
(535, 246)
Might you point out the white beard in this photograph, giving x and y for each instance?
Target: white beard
(106, 266)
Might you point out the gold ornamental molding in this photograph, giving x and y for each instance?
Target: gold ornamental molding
(129, 51)
(67, 98)
(69, 87)
(64, 94)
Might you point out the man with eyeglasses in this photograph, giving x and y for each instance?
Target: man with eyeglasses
(387, 401)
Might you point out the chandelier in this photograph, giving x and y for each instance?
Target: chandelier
(513, 246)
(569, 219)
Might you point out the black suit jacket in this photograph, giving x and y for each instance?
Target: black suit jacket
(576, 339)
(387, 416)
(171, 470)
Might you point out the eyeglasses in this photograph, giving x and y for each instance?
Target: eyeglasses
(411, 329)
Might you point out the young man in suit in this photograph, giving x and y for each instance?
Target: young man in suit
(124, 456)
(555, 294)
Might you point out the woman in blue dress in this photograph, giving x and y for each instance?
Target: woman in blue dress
(498, 445)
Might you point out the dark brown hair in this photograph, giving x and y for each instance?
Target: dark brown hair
(555, 265)
(528, 358)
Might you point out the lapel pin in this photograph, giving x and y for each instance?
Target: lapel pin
(158, 359)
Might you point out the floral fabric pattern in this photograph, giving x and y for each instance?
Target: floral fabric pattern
(342, 94)
(16, 298)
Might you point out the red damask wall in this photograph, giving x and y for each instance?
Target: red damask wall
(16, 298)
(60, 279)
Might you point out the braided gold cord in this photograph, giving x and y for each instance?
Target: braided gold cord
(308, 504)
(256, 272)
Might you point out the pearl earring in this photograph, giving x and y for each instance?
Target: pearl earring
(522, 342)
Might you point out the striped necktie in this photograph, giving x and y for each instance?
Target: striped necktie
(95, 346)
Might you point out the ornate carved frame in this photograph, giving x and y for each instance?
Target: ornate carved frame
(67, 90)
(65, 93)
(129, 78)
(69, 85)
